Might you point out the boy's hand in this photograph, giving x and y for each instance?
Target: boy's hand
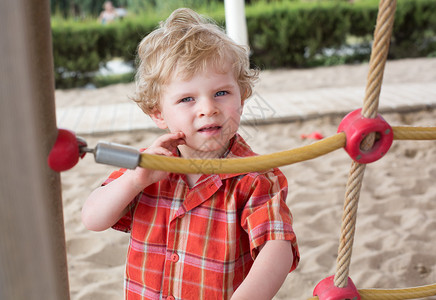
(165, 145)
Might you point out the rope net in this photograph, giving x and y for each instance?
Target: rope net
(382, 36)
(377, 62)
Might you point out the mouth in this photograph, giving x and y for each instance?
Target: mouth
(210, 128)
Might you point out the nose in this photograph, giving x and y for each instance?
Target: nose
(207, 107)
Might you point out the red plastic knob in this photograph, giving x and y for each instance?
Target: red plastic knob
(357, 127)
(65, 153)
(326, 290)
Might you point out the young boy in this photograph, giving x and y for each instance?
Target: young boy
(197, 236)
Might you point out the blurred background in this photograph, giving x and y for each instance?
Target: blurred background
(94, 41)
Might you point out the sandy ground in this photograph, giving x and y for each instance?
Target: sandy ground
(396, 226)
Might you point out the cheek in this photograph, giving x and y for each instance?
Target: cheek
(178, 121)
(234, 117)
(236, 110)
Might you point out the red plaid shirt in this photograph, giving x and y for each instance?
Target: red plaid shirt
(200, 243)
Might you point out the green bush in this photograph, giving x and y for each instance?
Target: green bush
(288, 34)
(281, 34)
(81, 49)
(414, 32)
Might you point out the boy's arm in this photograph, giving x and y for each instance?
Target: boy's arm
(107, 204)
(268, 272)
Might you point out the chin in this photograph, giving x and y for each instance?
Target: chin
(211, 147)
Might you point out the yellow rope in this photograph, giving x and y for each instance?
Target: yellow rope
(396, 294)
(268, 161)
(414, 133)
(243, 165)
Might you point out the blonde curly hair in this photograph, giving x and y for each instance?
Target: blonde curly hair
(189, 42)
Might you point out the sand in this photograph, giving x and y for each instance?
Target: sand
(396, 225)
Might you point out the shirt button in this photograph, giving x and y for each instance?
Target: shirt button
(171, 298)
(174, 258)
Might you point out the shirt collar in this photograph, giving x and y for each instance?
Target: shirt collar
(237, 148)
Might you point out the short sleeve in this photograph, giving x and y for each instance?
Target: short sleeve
(266, 216)
(125, 222)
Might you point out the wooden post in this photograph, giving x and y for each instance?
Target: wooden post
(236, 25)
(32, 240)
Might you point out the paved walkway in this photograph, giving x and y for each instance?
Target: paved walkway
(265, 108)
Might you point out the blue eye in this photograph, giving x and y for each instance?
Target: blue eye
(187, 99)
(221, 93)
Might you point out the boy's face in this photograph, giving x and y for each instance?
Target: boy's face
(207, 108)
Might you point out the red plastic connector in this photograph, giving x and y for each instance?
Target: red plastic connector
(356, 127)
(66, 151)
(326, 290)
(316, 135)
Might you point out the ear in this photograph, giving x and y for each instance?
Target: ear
(241, 109)
(158, 119)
